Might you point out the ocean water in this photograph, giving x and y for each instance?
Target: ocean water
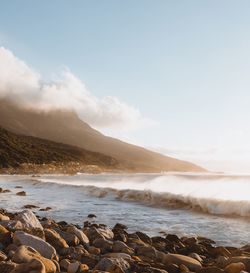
(212, 205)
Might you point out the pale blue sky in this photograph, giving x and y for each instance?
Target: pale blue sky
(184, 64)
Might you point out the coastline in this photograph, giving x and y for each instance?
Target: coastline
(29, 242)
(63, 168)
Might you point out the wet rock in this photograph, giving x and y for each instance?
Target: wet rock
(92, 216)
(205, 241)
(44, 248)
(21, 193)
(53, 238)
(28, 219)
(29, 206)
(120, 234)
(173, 238)
(189, 240)
(120, 226)
(144, 237)
(6, 191)
(45, 209)
(113, 265)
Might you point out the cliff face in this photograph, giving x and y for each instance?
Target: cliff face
(65, 127)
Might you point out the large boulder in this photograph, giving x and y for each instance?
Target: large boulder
(100, 232)
(28, 219)
(44, 248)
(178, 259)
(26, 254)
(55, 239)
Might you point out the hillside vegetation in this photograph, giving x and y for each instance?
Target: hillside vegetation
(18, 149)
(66, 127)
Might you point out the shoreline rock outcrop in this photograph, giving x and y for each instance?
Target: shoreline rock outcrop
(29, 244)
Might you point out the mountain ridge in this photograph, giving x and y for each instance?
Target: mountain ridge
(17, 151)
(64, 126)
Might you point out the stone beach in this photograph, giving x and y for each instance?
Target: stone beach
(29, 243)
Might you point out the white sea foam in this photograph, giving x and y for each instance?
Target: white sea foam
(154, 203)
(210, 193)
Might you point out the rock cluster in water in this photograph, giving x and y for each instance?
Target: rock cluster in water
(29, 244)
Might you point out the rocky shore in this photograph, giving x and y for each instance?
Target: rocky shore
(31, 244)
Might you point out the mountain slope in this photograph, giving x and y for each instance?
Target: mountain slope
(66, 127)
(17, 149)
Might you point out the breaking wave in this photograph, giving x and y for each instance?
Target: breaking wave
(210, 193)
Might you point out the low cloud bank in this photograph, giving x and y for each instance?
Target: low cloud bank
(22, 84)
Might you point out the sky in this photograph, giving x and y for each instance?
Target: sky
(172, 76)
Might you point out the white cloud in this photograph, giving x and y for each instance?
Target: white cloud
(21, 83)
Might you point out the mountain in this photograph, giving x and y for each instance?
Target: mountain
(66, 127)
(18, 149)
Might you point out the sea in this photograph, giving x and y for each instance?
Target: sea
(212, 205)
